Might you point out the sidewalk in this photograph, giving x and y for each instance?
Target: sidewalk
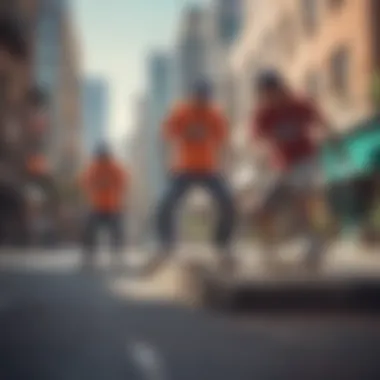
(342, 256)
(344, 260)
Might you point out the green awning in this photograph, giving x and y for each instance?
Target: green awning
(363, 152)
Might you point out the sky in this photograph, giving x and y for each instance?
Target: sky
(115, 38)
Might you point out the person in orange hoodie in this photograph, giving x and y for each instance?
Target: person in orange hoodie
(104, 184)
(197, 132)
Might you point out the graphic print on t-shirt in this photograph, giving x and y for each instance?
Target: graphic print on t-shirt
(195, 132)
(104, 181)
(287, 132)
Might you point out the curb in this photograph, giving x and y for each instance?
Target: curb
(360, 295)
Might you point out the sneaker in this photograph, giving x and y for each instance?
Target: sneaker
(314, 258)
(117, 263)
(226, 263)
(155, 263)
(88, 265)
(270, 261)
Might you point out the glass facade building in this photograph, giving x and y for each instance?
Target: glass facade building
(228, 20)
(95, 112)
(47, 68)
(161, 93)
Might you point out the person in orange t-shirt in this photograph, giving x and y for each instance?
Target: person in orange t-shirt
(196, 133)
(104, 184)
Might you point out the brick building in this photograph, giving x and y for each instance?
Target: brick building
(57, 70)
(140, 198)
(25, 131)
(72, 145)
(328, 49)
(17, 21)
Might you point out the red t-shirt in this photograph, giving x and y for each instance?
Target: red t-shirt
(286, 129)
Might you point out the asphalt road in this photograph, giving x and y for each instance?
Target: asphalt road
(69, 326)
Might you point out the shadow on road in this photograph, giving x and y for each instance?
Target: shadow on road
(70, 326)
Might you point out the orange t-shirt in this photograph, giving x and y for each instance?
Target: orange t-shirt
(37, 164)
(104, 183)
(197, 135)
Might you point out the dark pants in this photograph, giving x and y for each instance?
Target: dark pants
(112, 222)
(179, 185)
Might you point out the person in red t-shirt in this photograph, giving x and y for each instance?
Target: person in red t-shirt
(283, 127)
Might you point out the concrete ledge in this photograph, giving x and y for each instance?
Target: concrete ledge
(289, 295)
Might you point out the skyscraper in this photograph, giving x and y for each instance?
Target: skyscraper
(48, 66)
(160, 90)
(226, 21)
(193, 48)
(139, 163)
(95, 113)
(228, 17)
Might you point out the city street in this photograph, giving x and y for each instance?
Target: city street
(111, 115)
(59, 323)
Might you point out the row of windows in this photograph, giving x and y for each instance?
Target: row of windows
(288, 30)
(284, 39)
(338, 76)
(310, 10)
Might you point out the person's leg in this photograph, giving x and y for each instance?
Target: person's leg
(219, 190)
(90, 235)
(303, 189)
(116, 228)
(274, 200)
(167, 208)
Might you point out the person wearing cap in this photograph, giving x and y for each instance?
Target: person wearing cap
(284, 134)
(104, 184)
(196, 133)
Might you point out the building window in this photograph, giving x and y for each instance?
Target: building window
(339, 72)
(309, 10)
(287, 35)
(312, 84)
(269, 45)
(335, 4)
(375, 32)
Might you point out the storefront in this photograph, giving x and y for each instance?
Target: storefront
(351, 177)
(42, 200)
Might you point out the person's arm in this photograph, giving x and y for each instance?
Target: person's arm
(124, 183)
(170, 126)
(85, 179)
(222, 129)
(259, 141)
(320, 120)
(328, 131)
(222, 135)
(170, 132)
(85, 183)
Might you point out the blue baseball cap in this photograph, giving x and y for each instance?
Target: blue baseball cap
(269, 80)
(202, 88)
(102, 150)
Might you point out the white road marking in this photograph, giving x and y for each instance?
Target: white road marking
(148, 359)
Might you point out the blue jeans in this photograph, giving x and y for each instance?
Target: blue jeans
(112, 222)
(179, 185)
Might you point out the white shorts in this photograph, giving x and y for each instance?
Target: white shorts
(300, 180)
(304, 176)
